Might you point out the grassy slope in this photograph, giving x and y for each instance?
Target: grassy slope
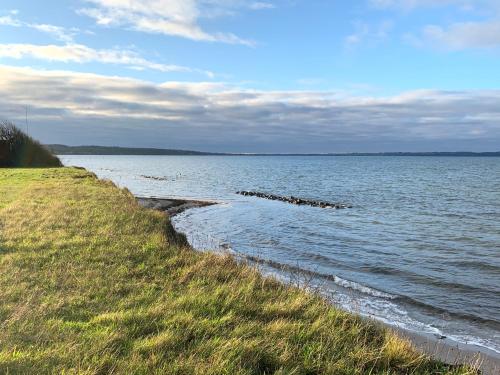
(91, 283)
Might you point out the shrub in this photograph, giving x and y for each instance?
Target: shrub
(17, 149)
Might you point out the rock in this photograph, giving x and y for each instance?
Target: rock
(294, 200)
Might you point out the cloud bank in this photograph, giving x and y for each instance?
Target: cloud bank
(79, 53)
(79, 108)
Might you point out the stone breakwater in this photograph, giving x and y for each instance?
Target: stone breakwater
(155, 178)
(295, 200)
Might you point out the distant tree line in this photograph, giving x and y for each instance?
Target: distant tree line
(17, 149)
(113, 150)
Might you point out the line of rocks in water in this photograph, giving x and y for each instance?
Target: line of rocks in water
(295, 200)
(155, 178)
(164, 178)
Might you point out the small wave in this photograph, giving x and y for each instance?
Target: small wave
(423, 279)
(479, 265)
(347, 284)
(435, 310)
(362, 288)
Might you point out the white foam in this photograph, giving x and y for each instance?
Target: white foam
(362, 288)
(476, 341)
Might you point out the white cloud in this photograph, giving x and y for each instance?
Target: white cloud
(58, 32)
(412, 4)
(79, 53)
(481, 31)
(464, 35)
(258, 5)
(8, 20)
(81, 108)
(170, 17)
(368, 32)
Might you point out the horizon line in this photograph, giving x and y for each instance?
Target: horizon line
(186, 152)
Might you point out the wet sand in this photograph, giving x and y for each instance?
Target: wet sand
(453, 352)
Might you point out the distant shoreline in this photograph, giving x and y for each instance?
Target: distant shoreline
(131, 151)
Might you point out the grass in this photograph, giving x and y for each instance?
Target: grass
(90, 283)
(20, 150)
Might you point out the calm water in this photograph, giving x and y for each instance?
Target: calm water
(419, 249)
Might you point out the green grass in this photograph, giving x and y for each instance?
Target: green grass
(91, 283)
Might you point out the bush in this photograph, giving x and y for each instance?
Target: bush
(17, 149)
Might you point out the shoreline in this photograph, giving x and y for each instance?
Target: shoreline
(451, 351)
(444, 349)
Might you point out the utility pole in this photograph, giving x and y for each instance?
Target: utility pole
(27, 129)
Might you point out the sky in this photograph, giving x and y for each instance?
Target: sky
(297, 76)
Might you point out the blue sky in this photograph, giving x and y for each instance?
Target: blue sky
(255, 76)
